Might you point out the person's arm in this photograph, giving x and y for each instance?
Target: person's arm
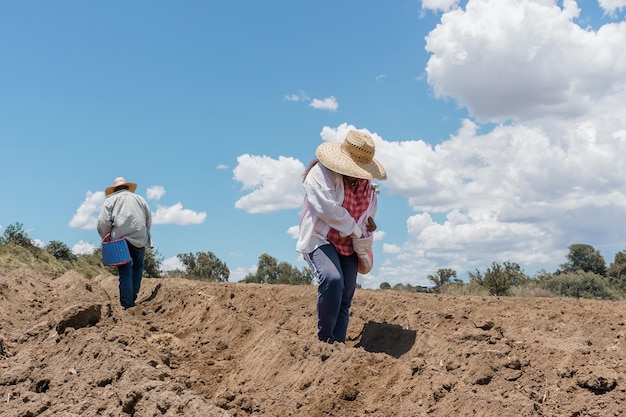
(148, 216)
(105, 224)
(324, 194)
(149, 225)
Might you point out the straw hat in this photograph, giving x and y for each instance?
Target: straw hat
(120, 181)
(353, 158)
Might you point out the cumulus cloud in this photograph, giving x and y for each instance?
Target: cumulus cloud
(83, 248)
(439, 5)
(86, 215)
(390, 248)
(273, 184)
(172, 264)
(525, 59)
(239, 273)
(512, 194)
(329, 103)
(293, 231)
(612, 6)
(300, 96)
(176, 214)
(155, 192)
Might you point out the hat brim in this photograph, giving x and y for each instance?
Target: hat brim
(131, 187)
(332, 157)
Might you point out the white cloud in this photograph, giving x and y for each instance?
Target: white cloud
(292, 97)
(300, 96)
(237, 274)
(172, 264)
(512, 194)
(155, 192)
(176, 214)
(525, 59)
(293, 231)
(86, 216)
(273, 184)
(83, 248)
(389, 248)
(379, 235)
(339, 133)
(439, 5)
(329, 103)
(612, 6)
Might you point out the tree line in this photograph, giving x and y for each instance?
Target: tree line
(584, 274)
(203, 266)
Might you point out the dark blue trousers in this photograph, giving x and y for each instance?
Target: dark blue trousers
(336, 277)
(130, 276)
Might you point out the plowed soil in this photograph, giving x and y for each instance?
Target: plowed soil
(231, 349)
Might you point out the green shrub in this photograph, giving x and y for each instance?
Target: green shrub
(580, 284)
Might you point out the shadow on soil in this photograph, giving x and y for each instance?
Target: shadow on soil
(387, 338)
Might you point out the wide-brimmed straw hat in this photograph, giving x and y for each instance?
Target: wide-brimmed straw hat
(354, 157)
(120, 181)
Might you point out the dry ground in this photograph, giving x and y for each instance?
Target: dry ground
(198, 349)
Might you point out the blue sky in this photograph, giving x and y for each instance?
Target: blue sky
(500, 123)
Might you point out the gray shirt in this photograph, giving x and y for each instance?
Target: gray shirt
(126, 215)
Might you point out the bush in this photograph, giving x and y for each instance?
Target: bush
(60, 251)
(580, 284)
(472, 288)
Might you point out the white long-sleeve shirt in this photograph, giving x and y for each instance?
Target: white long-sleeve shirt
(322, 210)
(126, 215)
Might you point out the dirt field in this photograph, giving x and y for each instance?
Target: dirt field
(198, 349)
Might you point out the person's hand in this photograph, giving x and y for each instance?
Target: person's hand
(371, 225)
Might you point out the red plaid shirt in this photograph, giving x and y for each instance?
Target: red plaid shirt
(356, 200)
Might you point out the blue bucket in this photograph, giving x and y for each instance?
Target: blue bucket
(114, 252)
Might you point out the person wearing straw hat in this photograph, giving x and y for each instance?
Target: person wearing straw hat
(127, 215)
(338, 211)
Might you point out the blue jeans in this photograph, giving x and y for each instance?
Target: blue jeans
(130, 276)
(336, 278)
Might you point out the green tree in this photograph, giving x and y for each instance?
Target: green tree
(385, 286)
(152, 263)
(14, 234)
(499, 278)
(270, 271)
(617, 271)
(579, 284)
(204, 266)
(515, 274)
(60, 250)
(267, 270)
(441, 278)
(584, 258)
